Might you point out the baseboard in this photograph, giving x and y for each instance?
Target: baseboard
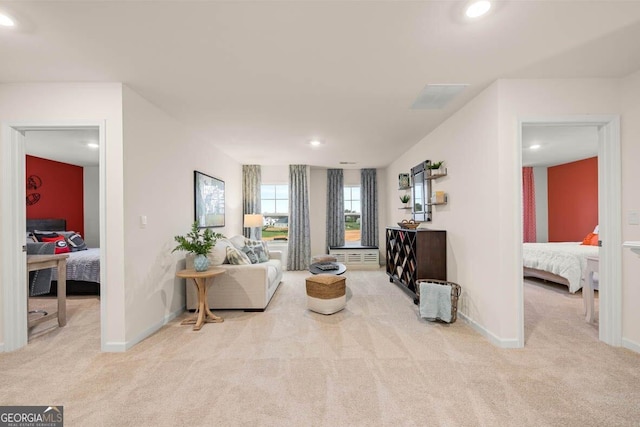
(119, 347)
(498, 342)
(630, 345)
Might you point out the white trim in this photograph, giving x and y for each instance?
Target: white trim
(493, 339)
(631, 345)
(13, 224)
(610, 218)
(609, 196)
(119, 347)
(13, 263)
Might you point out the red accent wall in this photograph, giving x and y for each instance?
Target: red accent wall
(573, 200)
(61, 192)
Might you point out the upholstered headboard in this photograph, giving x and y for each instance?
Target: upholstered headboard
(57, 224)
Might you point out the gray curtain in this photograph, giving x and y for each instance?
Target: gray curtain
(251, 181)
(369, 215)
(299, 247)
(335, 207)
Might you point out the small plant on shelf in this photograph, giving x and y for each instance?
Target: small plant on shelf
(405, 198)
(435, 168)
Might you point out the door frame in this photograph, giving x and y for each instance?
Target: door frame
(609, 218)
(13, 224)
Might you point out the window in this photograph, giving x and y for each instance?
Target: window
(351, 214)
(275, 210)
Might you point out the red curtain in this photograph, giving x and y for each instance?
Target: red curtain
(528, 205)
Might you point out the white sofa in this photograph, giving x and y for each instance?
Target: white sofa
(242, 287)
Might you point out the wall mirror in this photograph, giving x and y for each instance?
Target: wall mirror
(421, 189)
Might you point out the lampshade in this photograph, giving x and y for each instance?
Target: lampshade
(253, 220)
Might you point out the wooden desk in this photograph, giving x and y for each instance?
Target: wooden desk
(40, 262)
(203, 314)
(593, 265)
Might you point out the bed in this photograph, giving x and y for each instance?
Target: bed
(561, 262)
(83, 267)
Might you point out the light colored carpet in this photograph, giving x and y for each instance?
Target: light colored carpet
(373, 364)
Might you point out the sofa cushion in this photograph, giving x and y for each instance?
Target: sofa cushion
(236, 256)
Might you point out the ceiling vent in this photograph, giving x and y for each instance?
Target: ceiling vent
(437, 96)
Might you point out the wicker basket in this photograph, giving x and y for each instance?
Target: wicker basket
(455, 293)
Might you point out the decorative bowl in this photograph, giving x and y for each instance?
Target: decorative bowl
(409, 224)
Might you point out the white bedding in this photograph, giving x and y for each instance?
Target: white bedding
(566, 259)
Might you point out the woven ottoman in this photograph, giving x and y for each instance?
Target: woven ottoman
(326, 293)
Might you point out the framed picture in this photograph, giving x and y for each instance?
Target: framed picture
(209, 200)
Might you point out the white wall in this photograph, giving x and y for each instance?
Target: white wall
(468, 144)
(630, 102)
(91, 188)
(542, 204)
(318, 210)
(159, 159)
(38, 103)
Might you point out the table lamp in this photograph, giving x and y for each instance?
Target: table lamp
(252, 221)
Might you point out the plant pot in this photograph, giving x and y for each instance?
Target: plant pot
(201, 263)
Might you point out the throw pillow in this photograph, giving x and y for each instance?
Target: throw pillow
(237, 241)
(587, 239)
(250, 254)
(76, 242)
(218, 254)
(262, 243)
(259, 251)
(61, 244)
(236, 257)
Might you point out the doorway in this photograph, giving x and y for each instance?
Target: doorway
(609, 211)
(14, 224)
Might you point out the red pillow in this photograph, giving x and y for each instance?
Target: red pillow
(594, 240)
(587, 240)
(61, 244)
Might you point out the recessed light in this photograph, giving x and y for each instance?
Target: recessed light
(478, 8)
(315, 143)
(534, 147)
(93, 145)
(6, 21)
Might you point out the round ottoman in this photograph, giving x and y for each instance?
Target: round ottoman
(326, 293)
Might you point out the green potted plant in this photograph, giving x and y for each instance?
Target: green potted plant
(435, 168)
(198, 243)
(405, 198)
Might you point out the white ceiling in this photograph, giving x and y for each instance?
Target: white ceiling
(261, 78)
(559, 144)
(64, 145)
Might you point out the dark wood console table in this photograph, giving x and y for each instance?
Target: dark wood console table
(415, 254)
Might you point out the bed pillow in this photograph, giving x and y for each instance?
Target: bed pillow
(39, 235)
(76, 243)
(236, 256)
(61, 244)
(590, 240)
